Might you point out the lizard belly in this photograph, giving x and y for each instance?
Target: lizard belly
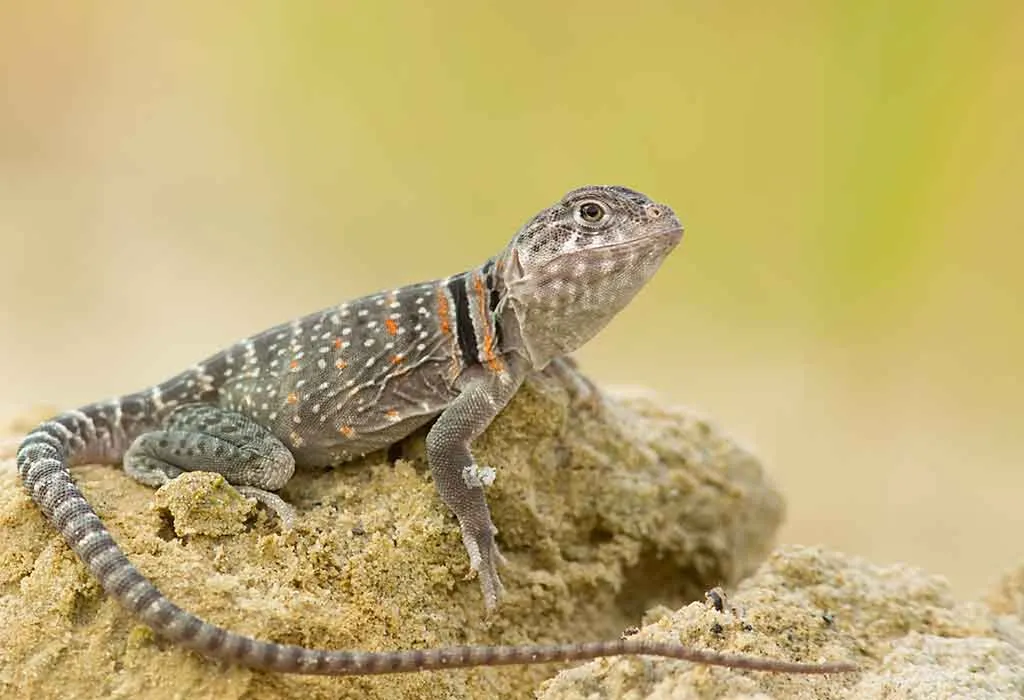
(331, 450)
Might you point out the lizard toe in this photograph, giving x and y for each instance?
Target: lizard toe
(285, 512)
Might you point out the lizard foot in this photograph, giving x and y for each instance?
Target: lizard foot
(285, 513)
(484, 560)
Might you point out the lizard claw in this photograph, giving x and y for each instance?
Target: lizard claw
(484, 560)
(285, 513)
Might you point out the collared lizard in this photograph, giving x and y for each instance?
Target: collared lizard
(350, 379)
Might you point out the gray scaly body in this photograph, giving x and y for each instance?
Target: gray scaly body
(354, 378)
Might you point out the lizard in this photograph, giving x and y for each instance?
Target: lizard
(347, 380)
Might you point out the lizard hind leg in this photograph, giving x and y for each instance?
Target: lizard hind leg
(204, 437)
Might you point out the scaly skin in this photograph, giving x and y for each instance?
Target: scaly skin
(347, 380)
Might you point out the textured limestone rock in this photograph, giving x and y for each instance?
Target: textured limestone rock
(203, 503)
(911, 637)
(1008, 596)
(604, 512)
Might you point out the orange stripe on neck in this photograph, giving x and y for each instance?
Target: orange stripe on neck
(490, 357)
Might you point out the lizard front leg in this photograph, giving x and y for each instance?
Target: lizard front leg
(459, 479)
(205, 437)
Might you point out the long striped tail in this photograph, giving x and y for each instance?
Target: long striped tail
(95, 434)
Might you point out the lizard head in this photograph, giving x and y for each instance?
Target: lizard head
(576, 264)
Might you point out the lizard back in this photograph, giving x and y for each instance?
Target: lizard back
(357, 377)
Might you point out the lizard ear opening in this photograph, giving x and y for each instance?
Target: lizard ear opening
(513, 274)
(516, 267)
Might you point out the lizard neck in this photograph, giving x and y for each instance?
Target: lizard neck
(475, 299)
(537, 344)
(551, 309)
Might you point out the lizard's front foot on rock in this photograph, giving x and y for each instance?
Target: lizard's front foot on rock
(484, 560)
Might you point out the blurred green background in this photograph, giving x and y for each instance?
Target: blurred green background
(174, 176)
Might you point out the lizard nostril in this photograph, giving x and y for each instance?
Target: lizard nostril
(654, 212)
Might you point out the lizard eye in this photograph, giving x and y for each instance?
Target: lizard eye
(591, 213)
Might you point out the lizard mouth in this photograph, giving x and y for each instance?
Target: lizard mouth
(668, 238)
(636, 259)
(642, 255)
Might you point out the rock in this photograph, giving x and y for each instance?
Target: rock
(203, 503)
(910, 636)
(604, 512)
(1008, 596)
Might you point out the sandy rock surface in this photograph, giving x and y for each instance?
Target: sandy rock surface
(603, 513)
(903, 626)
